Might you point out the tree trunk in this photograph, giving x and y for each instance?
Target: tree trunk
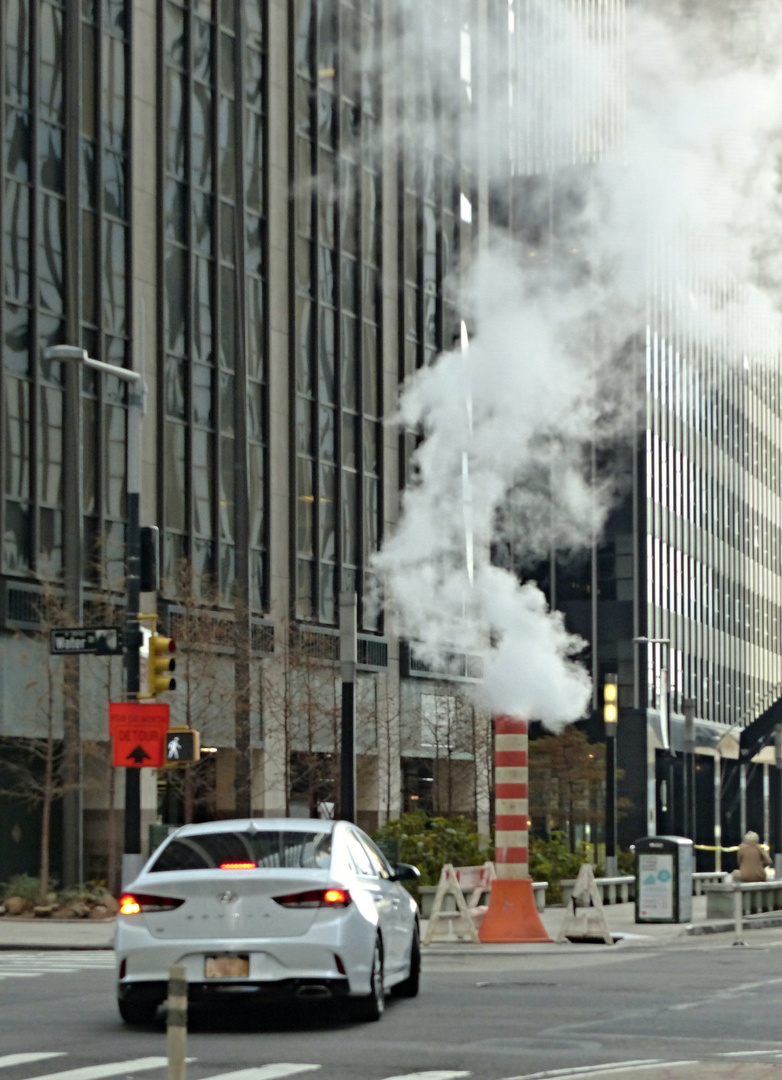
(111, 832)
(46, 820)
(189, 795)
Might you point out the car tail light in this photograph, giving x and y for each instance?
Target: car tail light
(143, 903)
(314, 898)
(238, 866)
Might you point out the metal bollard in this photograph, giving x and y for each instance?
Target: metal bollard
(738, 914)
(176, 1021)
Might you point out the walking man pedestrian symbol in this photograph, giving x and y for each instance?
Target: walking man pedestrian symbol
(174, 746)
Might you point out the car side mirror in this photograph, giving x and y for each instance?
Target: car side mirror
(406, 872)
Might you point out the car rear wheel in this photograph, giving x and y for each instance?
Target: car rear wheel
(409, 986)
(372, 1005)
(137, 1012)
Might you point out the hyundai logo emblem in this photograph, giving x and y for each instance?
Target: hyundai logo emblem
(227, 897)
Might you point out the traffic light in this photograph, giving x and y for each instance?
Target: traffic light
(159, 663)
(610, 702)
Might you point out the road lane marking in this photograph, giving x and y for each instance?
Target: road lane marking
(113, 1068)
(434, 1074)
(585, 1072)
(580, 1069)
(265, 1072)
(10, 1060)
(744, 1053)
(719, 994)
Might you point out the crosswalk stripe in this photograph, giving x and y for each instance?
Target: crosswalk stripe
(70, 965)
(22, 974)
(85, 958)
(31, 966)
(266, 1072)
(432, 1074)
(23, 1059)
(113, 1068)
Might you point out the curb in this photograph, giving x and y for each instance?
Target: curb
(749, 922)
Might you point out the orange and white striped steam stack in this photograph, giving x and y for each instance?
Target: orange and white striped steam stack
(512, 914)
(511, 792)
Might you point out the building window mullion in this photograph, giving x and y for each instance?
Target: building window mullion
(35, 337)
(189, 546)
(242, 554)
(316, 317)
(4, 28)
(102, 472)
(339, 180)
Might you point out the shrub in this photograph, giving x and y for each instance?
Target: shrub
(551, 861)
(625, 860)
(22, 885)
(88, 893)
(428, 842)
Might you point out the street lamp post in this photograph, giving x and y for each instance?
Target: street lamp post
(689, 768)
(131, 858)
(665, 735)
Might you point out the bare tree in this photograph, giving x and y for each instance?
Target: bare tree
(31, 767)
(567, 774)
(206, 695)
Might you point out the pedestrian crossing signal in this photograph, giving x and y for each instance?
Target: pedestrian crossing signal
(183, 746)
(159, 663)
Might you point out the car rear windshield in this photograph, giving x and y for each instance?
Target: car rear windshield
(267, 849)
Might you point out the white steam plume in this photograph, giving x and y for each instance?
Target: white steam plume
(552, 368)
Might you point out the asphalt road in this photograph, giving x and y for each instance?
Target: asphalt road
(645, 1012)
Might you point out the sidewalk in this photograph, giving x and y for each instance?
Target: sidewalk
(623, 927)
(99, 933)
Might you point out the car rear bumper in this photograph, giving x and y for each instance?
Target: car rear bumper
(317, 957)
(306, 989)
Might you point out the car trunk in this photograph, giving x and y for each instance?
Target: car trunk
(232, 904)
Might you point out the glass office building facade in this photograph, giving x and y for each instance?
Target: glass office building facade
(262, 205)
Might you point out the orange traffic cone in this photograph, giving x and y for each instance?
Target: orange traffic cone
(512, 914)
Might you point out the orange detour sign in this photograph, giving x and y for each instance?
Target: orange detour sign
(512, 915)
(138, 733)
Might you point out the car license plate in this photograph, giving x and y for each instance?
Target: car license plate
(227, 967)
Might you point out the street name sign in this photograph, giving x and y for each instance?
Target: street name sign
(89, 640)
(138, 733)
(183, 746)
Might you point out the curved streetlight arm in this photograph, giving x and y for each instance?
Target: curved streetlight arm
(664, 703)
(72, 352)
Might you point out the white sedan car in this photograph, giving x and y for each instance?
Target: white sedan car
(283, 907)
